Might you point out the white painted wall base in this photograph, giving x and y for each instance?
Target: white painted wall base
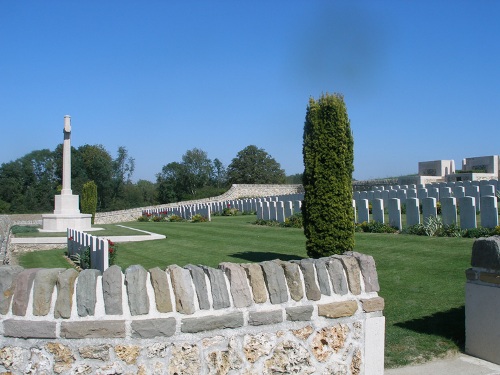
(482, 321)
(374, 345)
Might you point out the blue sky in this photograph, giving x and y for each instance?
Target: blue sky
(421, 79)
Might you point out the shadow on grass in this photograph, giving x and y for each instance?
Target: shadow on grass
(261, 256)
(448, 324)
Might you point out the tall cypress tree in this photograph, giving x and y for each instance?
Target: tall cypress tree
(328, 151)
(89, 199)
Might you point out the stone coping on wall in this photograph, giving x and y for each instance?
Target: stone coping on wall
(59, 303)
(485, 262)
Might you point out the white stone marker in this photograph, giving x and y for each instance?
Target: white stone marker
(280, 211)
(402, 195)
(354, 209)
(467, 212)
(459, 192)
(489, 211)
(429, 208)
(487, 190)
(433, 192)
(473, 191)
(411, 193)
(266, 210)
(363, 211)
(297, 207)
(444, 192)
(395, 213)
(288, 208)
(378, 210)
(449, 210)
(422, 193)
(412, 212)
(273, 211)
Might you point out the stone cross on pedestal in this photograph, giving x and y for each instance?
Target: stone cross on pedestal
(66, 175)
(66, 205)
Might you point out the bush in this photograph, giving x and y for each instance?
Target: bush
(228, 211)
(143, 218)
(479, 232)
(375, 227)
(496, 231)
(417, 230)
(433, 226)
(198, 219)
(269, 223)
(175, 218)
(294, 221)
(159, 218)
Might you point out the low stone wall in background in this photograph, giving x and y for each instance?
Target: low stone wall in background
(235, 192)
(310, 316)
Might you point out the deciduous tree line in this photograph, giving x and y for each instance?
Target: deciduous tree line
(30, 183)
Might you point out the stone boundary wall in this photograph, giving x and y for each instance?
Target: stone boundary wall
(5, 225)
(310, 316)
(371, 184)
(235, 192)
(482, 300)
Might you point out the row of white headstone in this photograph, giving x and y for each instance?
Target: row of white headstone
(247, 205)
(475, 189)
(79, 241)
(449, 211)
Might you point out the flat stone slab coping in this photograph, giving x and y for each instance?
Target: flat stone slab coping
(62, 240)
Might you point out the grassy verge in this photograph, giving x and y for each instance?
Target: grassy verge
(421, 278)
(108, 230)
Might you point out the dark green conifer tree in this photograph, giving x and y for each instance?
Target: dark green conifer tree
(328, 151)
(89, 199)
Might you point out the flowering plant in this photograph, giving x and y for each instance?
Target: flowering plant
(111, 253)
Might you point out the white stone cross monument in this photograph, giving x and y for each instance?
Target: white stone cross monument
(66, 208)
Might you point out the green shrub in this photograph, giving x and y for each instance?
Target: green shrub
(496, 231)
(375, 227)
(269, 223)
(294, 221)
(198, 219)
(417, 229)
(159, 218)
(228, 211)
(328, 165)
(89, 199)
(478, 232)
(175, 218)
(82, 259)
(144, 218)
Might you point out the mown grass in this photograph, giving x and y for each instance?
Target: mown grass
(421, 278)
(107, 230)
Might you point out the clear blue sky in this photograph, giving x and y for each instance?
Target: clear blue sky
(421, 79)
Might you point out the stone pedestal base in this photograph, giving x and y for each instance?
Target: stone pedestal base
(67, 204)
(60, 223)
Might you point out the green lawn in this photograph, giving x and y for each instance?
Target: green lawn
(107, 230)
(421, 278)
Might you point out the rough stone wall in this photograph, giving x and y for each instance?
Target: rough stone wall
(235, 192)
(369, 184)
(307, 316)
(5, 225)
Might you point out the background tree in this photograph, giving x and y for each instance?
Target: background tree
(328, 166)
(253, 165)
(89, 199)
(195, 177)
(29, 183)
(294, 178)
